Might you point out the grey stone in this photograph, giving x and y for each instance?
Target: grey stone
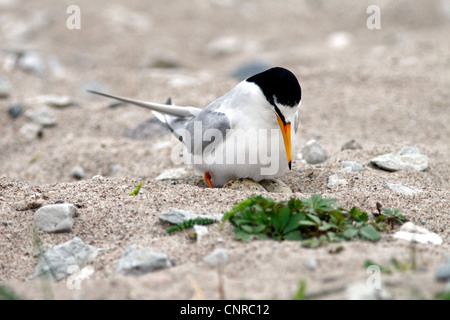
(58, 101)
(409, 158)
(43, 116)
(31, 61)
(31, 131)
(313, 153)
(15, 110)
(139, 261)
(58, 262)
(56, 217)
(217, 258)
(77, 173)
(355, 166)
(399, 188)
(335, 181)
(351, 145)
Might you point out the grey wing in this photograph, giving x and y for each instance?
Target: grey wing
(205, 131)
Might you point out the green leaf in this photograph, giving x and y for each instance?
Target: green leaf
(369, 233)
(314, 218)
(293, 235)
(294, 223)
(350, 233)
(135, 192)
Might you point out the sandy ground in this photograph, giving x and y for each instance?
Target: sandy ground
(385, 88)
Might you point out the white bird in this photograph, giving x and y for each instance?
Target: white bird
(237, 135)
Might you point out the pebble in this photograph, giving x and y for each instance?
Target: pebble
(200, 231)
(217, 258)
(244, 185)
(399, 188)
(77, 173)
(335, 181)
(43, 116)
(443, 273)
(355, 166)
(313, 153)
(275, 186)
(148, 129)
(15, 110)
(59, 261)
(412, 233)
(57, 101)
(180, 216)
(31, 61)
(5, 88)
(31, 131)
(56, 217)
(351, 145)
(139, 261)
(409, 158)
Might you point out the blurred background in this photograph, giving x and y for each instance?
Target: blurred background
(381, 86)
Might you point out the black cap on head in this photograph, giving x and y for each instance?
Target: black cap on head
(280, 85)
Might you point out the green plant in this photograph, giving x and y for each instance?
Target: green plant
(301, 291)
(390, 217)
(135, 192)
(314, 221)
(8, 294)
(190, 223)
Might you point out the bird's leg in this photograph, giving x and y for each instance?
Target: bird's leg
(208, 179)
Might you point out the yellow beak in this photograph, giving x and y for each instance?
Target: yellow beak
(286, 131)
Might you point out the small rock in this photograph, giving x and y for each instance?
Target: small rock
(200, 231)
(77, 173)
(244, 185)
(97, 177)
(137, 262)
(55, 218)
(443, 273)
(58, 262)
(165, 62)
(413, 233)
(311, 264)
(15, 110)
(275, 186)
(23, 205)
(31, 61)
(351, 145)
(313, 153)
(56, 101)
(174, 174)
(409, 158)
(355, 166)
(399, 188)
(250, 69)
(335, 181)
(217, 258)
(30, 131)
(43, 116)
(5, 88)
(177, 216)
